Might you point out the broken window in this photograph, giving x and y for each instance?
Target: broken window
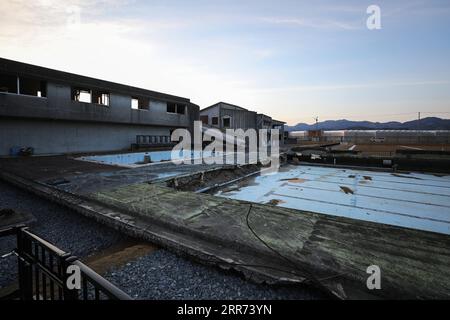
(100, 98)
(226, 122)
(181, 108)
(82, 95)
(215, 120)
(32, 87)
(171, 107)
(204, 119)
(8, 83)
(105, 99)
(134, 103)
(176, 108)
(22, 85)
(140, 103)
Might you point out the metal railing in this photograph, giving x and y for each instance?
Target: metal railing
(43, 272)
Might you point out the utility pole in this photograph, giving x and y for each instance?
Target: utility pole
(317, 129)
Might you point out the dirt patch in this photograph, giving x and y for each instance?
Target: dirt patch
(347, 190)
(118, 255)
(275, 202)
(367, 178)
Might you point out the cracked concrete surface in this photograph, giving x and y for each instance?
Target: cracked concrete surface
(281, 244)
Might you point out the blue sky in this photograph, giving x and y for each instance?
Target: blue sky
(293, 60)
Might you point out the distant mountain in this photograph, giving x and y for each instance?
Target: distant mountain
(430, 123)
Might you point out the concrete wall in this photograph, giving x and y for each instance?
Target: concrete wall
(59, 105)
(55, 136)
(57, 124)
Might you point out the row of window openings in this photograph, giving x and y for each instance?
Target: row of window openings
(23, 86)
(143, 104)
(102, 98)
(38, 88)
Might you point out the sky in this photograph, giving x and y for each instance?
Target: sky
(292, 60)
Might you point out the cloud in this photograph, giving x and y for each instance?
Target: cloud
(207, 52)
(148, 53)
(313, 23)
(264, 53)
(335, 87)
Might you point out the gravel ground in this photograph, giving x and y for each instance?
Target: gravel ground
(163, 275)
(158, 275)
(62, 227)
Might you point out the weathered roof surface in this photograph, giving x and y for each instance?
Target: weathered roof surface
(221, 103)
(332, 252)
(25, 69)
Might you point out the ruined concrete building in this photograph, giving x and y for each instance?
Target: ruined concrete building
(59, 112)
(224, 116)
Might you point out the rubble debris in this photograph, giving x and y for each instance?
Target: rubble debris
(347, 190)
(210, 179)
(275, 202)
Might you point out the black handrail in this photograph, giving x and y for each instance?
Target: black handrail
(43, 271)
(99, 282)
